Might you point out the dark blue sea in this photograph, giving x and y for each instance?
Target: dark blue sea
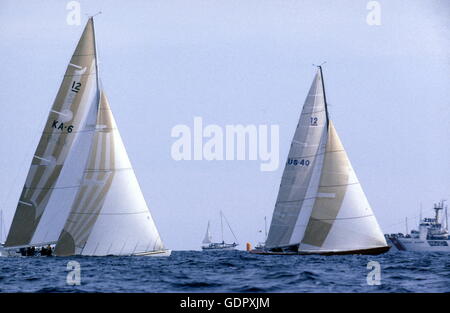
(229, 271)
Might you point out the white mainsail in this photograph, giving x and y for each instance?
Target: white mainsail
(321, 207)
(57, 165)
(208, 237)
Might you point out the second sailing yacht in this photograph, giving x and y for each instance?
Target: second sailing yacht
(321, 207)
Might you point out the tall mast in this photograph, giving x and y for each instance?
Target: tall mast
(221, 224)
(446, 218)
(324, 95)
(444, 207)
(95, 51)
(265, 228)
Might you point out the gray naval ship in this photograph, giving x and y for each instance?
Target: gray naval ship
(431, 236)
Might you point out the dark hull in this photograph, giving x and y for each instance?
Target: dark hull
(372, 251)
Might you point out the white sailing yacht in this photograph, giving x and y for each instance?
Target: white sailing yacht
(321, 207)
(208, 245)
(81, 193)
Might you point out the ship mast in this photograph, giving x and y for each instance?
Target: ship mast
(437, 207)
(444, 207)
(446, 219)
(1, 226)
(221, 224)
(265, 228)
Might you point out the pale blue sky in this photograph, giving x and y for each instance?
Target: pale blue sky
(241, 62)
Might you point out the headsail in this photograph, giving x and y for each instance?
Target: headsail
(293, 198)
(54, 175)
(208, 236)
(342, 218)
(109, 215)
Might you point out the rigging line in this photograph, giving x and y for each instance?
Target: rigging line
(230, 228)
(72, 75)
(25, 156)
(290, 201)
(314, 155)
(52, 188)
(341, 218)
(99, 213)
(341, 185)
(312, 112)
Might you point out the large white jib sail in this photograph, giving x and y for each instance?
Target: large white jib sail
(81, 191)
(321, 207)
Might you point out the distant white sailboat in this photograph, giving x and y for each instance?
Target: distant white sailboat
(321, 207)
(81, 193)
(208, 245)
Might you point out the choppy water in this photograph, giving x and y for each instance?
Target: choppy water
(229, 271)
